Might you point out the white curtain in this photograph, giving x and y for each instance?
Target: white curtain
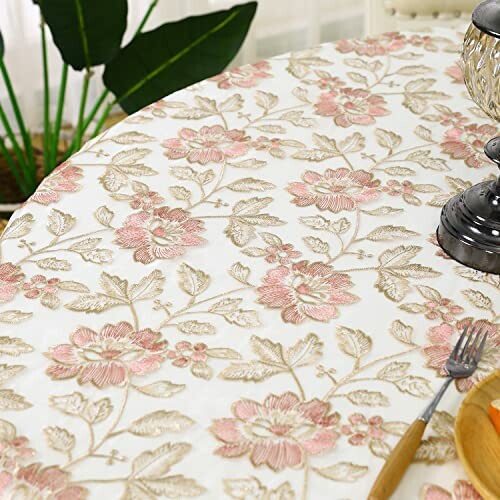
(279, 26)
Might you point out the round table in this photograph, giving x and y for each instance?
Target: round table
(237, 292)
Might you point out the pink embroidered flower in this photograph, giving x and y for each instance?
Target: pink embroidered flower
(373, 46)
(279, 433)
(157, 108)
(440, 252)
(283, 253)
(13, 449)
(448, 118)
(396, 188)
(245, 76)
(146, 200)
(327, 81)
(273, 146)
(209, 144)
(46, 289)
(61, 180)
(195, 356)
(335, 190)
(427, 42)
(305, 290)
(462, 490)
(36, 481)
(443, 309)
(164, 234)
(351, 106)
(109, 357)
(456, 73)
(360, 429)
(11, 278)
(442, 341)
(467, 143)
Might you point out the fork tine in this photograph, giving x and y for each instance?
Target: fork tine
(470, 335)
(454, 353)
(469, 356)
(480, 349)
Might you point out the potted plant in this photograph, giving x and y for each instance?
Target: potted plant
(89, 33)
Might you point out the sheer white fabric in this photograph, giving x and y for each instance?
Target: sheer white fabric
(280, 26)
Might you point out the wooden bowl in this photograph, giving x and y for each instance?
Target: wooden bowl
(476, 439)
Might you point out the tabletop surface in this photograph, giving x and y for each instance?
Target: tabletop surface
(237, 291)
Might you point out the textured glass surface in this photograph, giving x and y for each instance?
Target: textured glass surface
(481, 58)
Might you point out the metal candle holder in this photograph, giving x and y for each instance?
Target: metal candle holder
(469, 230)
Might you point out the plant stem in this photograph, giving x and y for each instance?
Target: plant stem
(47, 134)
(83, 102)
(22, 128)
(13, 167)
(151, 7)
(59, 114)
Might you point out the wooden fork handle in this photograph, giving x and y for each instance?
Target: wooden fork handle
(397, 463)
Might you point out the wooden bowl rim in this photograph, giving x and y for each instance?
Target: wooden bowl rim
(474, 478)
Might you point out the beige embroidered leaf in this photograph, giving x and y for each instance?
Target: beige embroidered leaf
(414, 70)
(160, 389)
(443, 424)
(383, 211)
(340, 226)
(148, 287)
(176, 486)
(413, 308)
(183, 173)
(355, 343)
(193, 113)
(249, 163)
(424, 133)
(367, 398)
(97, 256)
(248, 488)
(113, 179)
(201, 370)
(10, 400)
(231, 104)
(390, 232)
(93, 303)
(478, 276)
(223, 353)
(317, 245)
(98, 411)
(304, 352)
(251, 206)
(478, 299)
(297, 118)
(130, 156)
(380, 448)
(267, 350)
(404, 171)
(402, 332)
(325, 143)
(394, 371)
(313, 154)
(73, 286)
(59, 439)
(392, 286)
(14, 346)
(436, 450)
(316, 222)
(50, 300)
(180, 192)
(249, 184)
(54, 264)
(9, 371)
(240, 272)
(345, 472)
(429, 293)
(395, 428)
(158, 422)
(137, 170)
(239, 232)
(206, 103)
(85, 244)
(242, 317)
(255, 371)
(271, 239)
(7, 431)
(104, 215)
(399, 256)
(194, 327)
(352, 143)
(205, 177)
(387, 139)
(358, 78)
(60, 223)
(18, 227)
(225, 306)
(192, 281)
(416, 386)
(13, 316)
(157, 463)
(132, 138)
(71, 404)
(114, 286)
(266, 100)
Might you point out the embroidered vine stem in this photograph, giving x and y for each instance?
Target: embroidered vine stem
(266, 115)
(345, 247)
(297, 381)
(305, 485)
(109, 434)
(215, 189)
(134, 315)
(397, 153)
(357, 368)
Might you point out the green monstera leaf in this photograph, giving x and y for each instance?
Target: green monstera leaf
(175, 55)
(86, 32)
(2, 46)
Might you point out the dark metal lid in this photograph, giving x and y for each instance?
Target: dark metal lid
(486, 17)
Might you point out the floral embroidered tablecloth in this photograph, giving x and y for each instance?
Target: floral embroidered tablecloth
(237, 291)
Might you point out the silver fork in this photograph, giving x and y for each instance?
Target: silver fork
(462, 363)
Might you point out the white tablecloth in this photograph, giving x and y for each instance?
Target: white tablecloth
(237, 292)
